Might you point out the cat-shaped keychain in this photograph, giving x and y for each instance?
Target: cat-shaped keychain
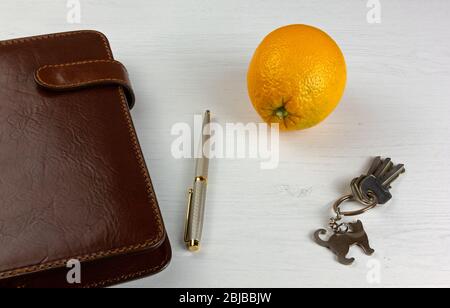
(371, 190)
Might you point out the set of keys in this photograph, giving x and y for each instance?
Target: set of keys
(377, 182)
(370, 190)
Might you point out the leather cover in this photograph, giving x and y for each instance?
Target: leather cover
(73, 181)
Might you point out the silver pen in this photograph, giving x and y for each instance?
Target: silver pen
(197, 194)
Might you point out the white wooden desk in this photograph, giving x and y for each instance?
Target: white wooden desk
(188, 55)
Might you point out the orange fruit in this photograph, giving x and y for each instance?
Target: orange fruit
(297, 77)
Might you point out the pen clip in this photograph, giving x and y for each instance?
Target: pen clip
(188, 213)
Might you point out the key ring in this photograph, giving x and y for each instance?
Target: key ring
(369, 190)
(347, 198)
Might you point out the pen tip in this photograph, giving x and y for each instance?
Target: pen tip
(193, 246)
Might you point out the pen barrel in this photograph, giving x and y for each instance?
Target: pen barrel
(197, 210)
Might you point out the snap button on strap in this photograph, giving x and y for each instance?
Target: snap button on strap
(85, 74)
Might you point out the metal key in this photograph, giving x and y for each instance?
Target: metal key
(379, 179)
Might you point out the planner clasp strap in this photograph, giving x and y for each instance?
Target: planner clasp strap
(85, 74)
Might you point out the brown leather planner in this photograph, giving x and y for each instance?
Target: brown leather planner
(73, 181)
